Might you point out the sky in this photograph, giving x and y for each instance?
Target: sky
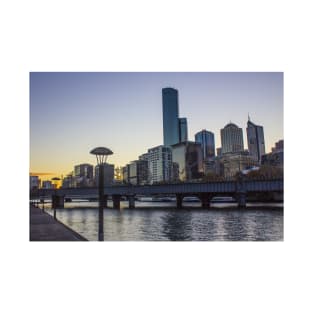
(71, 113)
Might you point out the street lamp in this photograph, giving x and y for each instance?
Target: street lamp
(55, 179)
(101, 154)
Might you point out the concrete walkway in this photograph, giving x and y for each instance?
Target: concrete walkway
(43, 227)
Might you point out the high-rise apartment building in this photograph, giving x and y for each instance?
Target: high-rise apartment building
(232, 139)
(183, 129)
(170, 116)
(160, 164)
(206, 139)
(255, 138)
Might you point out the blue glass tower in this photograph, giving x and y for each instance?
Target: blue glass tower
(206, 139)
(170, 116)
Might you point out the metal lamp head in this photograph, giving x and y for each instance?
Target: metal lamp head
(101, 154)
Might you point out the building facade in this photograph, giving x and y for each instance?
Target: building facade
(188, 161)
(206, 139)
(255, 139)
(233, 163)
(83, 175)
(279, 146)
(232, 139)
(34, 182)
(183, 129)
(170, 116)
(160, 164)
(138, 172)
(108, 174)
(47, 184)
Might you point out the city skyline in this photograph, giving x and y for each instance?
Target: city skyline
(71, 113)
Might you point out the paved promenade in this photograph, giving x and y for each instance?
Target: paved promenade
(44, 228)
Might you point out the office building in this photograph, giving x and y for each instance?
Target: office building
(232, 139)
(83, 175)
(34, 182)
(276, 157)
(255, 139)
(108, 174)
(47, 184)
(138, 172)
(233, 163)
(183, 129)
(170, 116)
(188, 160)
(125, 174)
(279, 146)
(69, 181)
(160, 164)
(206, 139)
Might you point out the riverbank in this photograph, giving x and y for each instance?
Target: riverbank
(43, 227)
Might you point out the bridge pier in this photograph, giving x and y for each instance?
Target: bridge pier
(205, 200)
(116, 201)
(179, 201)
(242, 200)
(131, 202)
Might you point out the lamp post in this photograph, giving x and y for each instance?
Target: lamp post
(101, 154)
(55, 179)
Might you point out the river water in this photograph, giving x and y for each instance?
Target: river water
(162, 222)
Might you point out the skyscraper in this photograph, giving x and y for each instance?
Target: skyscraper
(183, 129)
(232, 138)
(206, 139)
(255, 137)
(170, 116)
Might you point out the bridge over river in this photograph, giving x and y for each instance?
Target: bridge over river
(238, 189)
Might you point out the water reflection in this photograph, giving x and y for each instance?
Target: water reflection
(176, 225)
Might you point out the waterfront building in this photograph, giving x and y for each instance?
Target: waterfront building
(47, 184)
(160, 164)
(125, 173)
(34, 182)
(144, 157)
(170, 116)
(83, 175)
(276, 157)
(206, 139)
(108, 174)
(233, 163)
(138, 172)
(183, 129)
(187, 157)
(279, 146)
(232, 139)
(255, 138)
(69, 181)
(84, 170)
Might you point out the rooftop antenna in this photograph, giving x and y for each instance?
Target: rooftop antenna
(249, 117)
